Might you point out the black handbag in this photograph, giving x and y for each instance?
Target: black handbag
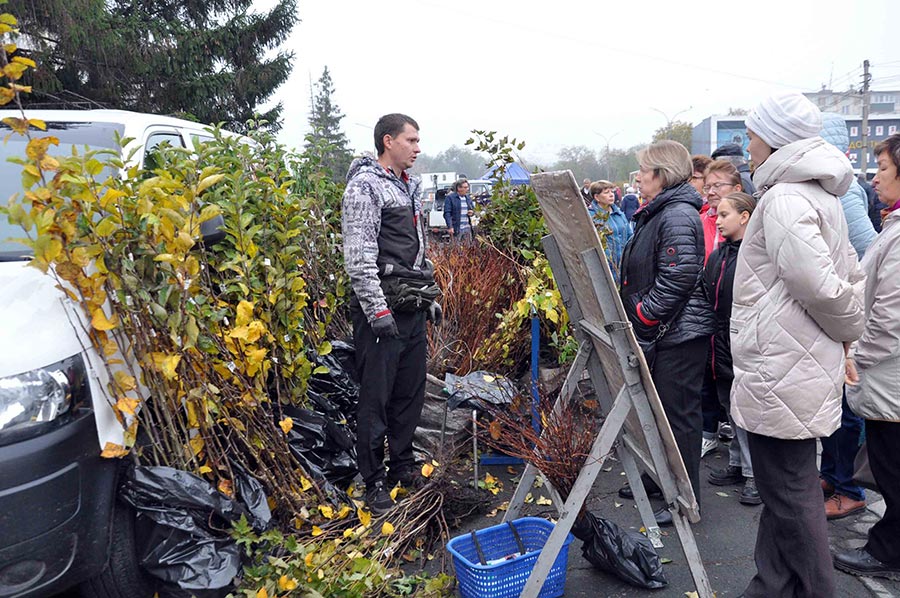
(404, 295)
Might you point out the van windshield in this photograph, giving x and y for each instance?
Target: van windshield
(71, 135)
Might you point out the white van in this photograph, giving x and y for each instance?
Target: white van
(60, 523)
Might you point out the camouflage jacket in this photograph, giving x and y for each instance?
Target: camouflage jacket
(383, 231)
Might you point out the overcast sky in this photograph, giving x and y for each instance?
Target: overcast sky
(561, 73)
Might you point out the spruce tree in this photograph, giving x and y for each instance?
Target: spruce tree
(204, 59)
(325, 129)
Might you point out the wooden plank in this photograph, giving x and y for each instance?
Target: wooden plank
(600, 450)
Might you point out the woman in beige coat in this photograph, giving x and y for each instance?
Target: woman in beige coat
(797, 303)
(875, 367)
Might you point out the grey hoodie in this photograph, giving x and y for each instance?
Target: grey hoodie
(383, 231)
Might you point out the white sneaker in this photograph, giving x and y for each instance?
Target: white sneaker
(708, 446)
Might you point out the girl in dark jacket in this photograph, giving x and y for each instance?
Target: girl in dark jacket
(664, 298)
(733, 215)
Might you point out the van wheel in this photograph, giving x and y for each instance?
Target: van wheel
(122, 577)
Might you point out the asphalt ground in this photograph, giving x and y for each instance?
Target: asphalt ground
(725, 537)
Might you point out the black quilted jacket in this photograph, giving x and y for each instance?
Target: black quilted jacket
(662, 267)
(719, 280)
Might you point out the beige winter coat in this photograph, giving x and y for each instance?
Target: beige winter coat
(798, 294)
(877, 354)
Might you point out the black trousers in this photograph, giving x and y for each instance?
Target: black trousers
(391, 392)
(883, 444)
(792, 555)
(678, 376)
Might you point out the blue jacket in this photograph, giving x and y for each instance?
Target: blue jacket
(453, 210)
(619, 232)
(854, 202)
(630, 205)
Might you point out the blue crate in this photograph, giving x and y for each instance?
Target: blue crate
(506, 578)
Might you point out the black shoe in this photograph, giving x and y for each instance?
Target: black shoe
(625, 492)
(409, 478)
(860, 562)
(749, 494)
(726, 477)
(663, 517)
(378, 500)
(726, 432)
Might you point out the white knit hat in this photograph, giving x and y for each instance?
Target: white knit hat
(785, 118)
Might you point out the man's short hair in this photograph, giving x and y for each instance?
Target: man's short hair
(391, 124)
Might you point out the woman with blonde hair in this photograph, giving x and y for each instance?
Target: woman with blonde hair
(663, 296)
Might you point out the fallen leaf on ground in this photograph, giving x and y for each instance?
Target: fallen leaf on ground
(665, 561)
(725, 494)
(542, 500)
(617, 504)
(528, 498)
(387, 529)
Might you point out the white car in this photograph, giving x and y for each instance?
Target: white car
(60, 524)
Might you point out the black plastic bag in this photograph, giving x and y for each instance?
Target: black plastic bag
(628, 555)
(338, 386)
(477, 388)
(183, 524)
(326, 447)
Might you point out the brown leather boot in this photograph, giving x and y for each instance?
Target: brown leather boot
(838, 506)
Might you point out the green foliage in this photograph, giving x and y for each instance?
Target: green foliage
(678, 130)
(284, 564)
(513, 221)
(212, 61)
(326, 137)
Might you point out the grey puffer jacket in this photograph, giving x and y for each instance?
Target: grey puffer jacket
(854, 201)
(798, 295)
(383, 231)
(877, 354)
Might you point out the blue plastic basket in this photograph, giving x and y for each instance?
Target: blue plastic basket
(507, 578)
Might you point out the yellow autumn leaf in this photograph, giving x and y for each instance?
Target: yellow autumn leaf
(100, 322)
(124, 381)
(317, 531)
(111, 450)
(226, 487)
(544, 501)
(343, 512)
(308, 559)
(326, 511)
(348, 533)
(387, 529)
(196, 444)
(286, 584)
(262, 593)
(208, 182)
(168, 366)
(127, 405)
(244, 313)
(305, 484)
(394, 491)
(204, 469)
(364, 517)
(427, 469)
(286, 425)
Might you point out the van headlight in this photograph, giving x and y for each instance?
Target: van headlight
(34, 399)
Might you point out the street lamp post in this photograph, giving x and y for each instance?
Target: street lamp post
(669, 121)
(607, 140)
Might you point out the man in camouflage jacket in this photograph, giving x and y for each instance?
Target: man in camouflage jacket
(384, 242)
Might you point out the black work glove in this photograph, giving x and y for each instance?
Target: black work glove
(385, 326)
(435, 314)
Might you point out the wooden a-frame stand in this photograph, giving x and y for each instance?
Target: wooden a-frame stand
(635, 427)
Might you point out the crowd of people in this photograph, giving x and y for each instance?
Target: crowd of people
(766, 306)
(769, 314)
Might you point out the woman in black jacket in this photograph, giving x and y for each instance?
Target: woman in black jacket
(664, 297)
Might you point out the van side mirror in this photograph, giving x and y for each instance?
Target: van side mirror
(212, 231)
